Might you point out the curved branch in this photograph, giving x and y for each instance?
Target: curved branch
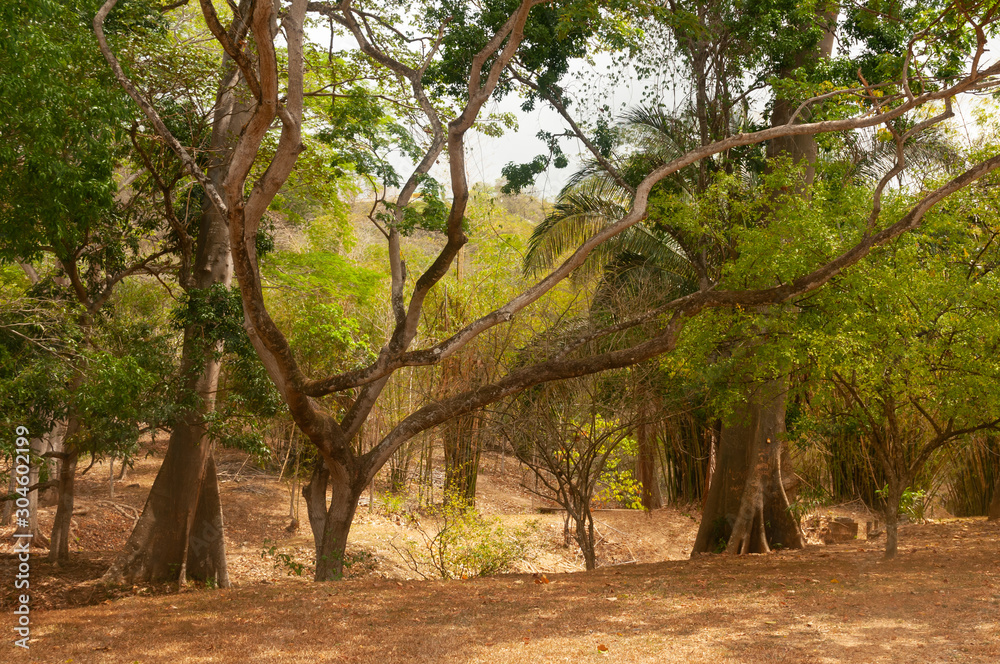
(150, 112)
(231, 49)
(514, 382)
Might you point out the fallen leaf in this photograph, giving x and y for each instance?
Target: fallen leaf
(601, 647)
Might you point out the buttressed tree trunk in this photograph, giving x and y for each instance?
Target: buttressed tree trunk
(746, 510)
(180, 534)
(747, 504)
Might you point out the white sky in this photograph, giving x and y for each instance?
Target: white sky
(486, 156)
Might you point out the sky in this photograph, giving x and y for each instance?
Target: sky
(486, 155)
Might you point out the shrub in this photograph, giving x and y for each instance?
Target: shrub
(462, 543)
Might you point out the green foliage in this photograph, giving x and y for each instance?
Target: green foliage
(38, 342)
(617, 482)
(912, 502)
(282, 559)
(361, 132)
(809, 499)
(323, 275)
(521, 176)
(391, 504)
(553, 34)
(62, 118)
(122, 372)
(427, 211)
(461, 543)
(213, 317)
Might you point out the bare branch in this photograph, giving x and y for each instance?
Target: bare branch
(560, 106)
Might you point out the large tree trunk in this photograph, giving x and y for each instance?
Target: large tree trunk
(179, 535)
(746, 510)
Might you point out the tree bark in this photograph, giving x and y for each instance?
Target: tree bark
(59, 546)
(179, 535)
(891, 514)
(746, 510)
(331, 522)
(336, 523)
(61, 436)
(316, 507)
(585, 538)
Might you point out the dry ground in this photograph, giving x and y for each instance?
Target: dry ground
(939, 601)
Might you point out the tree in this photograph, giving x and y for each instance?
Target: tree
(749, 490)
(37, 339)
(475, 53)
(909, 343)
(566, 433)
(179, 534)
(716, 45)
(62, 123)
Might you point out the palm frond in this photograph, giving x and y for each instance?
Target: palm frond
(584, 208)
